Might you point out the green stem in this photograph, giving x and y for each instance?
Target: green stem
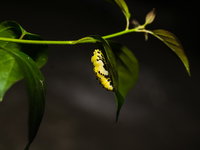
(83, 40)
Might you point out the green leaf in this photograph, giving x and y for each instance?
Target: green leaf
(119, 101)
(173, 43)
(123, 67)
(9, 70)
(127, 67)
(124, 8)
(110, 60)
(36, 89)
(112, 69)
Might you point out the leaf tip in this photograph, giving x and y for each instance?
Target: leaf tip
(188, 71)
(27, 146)
(117, 116)
(120, 101)
(1, 97)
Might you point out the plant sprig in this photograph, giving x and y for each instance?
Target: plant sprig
(24, 53)
(70, 42)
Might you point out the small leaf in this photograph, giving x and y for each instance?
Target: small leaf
(124, 8)
(173, 43)
(9, 70)
(150, 17)
(135, 23)
(36, 89)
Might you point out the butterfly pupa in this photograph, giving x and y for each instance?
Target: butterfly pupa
(100, 69)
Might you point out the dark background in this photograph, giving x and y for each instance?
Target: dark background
(160, 112)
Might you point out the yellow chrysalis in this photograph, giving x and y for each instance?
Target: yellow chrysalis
(100, 69)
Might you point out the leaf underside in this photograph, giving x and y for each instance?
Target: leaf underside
(174, 44)
(122, 67)
(127, 67)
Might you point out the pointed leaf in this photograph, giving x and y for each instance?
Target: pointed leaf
(123, 67)
(9, 69)
(113, 71)
(36, 89)
(127, 68)
(119, 101)
(173, 43)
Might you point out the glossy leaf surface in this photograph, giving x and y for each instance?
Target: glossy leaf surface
(9, 69)
(36, 89)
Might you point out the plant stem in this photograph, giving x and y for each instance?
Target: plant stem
(84, 40)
